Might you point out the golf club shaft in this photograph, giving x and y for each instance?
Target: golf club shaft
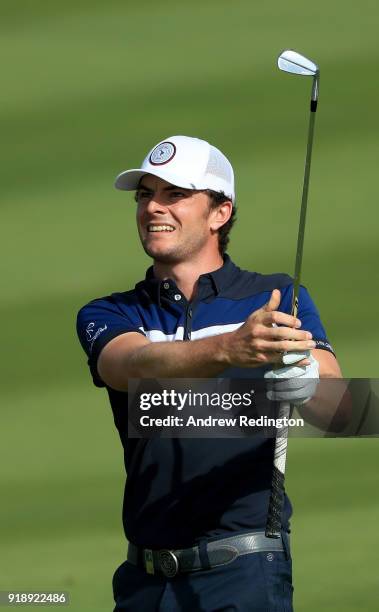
(303, 209)
(276, 502)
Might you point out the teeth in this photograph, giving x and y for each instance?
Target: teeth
(160, 228)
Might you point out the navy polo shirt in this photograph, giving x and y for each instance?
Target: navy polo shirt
(180, 490)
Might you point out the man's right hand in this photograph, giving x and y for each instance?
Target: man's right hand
(259, 341)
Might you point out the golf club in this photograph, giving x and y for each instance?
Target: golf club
(294, 63)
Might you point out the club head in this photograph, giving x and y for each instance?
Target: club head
(293, 62)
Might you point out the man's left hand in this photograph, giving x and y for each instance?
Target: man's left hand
(293, 383)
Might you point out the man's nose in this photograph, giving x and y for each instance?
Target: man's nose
(156, 204)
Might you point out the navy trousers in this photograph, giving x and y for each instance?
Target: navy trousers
(258, 582)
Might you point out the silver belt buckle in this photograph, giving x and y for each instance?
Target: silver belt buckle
(168, 563)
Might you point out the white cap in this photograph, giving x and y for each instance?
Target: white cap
(187, 162)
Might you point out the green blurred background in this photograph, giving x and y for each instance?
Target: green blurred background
(87, 88)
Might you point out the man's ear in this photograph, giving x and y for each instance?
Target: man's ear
(221, 215)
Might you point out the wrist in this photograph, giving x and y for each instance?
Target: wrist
(223, 353)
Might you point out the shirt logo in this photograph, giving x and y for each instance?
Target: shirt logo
(90, 331)
(162, 154)
(92, 335)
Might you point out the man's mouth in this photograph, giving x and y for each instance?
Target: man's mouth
(160, 228)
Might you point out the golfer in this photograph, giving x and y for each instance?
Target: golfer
(195, 511)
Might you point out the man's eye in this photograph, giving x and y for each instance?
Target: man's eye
(178, 194)
(142, 195)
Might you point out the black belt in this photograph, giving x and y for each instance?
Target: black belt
(219, 552)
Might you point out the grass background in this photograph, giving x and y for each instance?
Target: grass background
(87, 88)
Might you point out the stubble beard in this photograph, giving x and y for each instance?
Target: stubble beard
(177, 253)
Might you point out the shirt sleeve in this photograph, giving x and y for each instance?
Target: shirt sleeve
(308, 315)
(98, 323)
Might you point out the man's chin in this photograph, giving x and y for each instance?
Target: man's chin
(162, 255)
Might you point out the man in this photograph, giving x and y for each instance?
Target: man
(195, 510)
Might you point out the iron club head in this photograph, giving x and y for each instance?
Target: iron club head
(295, 63)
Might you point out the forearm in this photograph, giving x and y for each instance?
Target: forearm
(330, 408)
(198, 358)
(194, 359)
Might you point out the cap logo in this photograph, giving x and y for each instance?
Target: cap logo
(162, 153)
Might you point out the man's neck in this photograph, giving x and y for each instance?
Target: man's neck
(186, 274)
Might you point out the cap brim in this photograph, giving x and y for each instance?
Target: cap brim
(129, 179)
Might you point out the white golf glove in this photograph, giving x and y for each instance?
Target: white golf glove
(293, 383)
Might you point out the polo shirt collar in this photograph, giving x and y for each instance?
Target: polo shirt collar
(223, 277)
(210, 284)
